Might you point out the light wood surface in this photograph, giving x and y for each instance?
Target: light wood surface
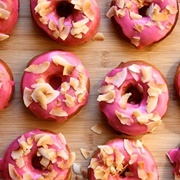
(98, 57)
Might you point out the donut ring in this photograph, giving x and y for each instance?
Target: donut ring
(55, 85)
(8, 17)
(68, 22)
(177, 80)
(134, 97)
(174, 157)
(6, 85)
(122, 159)
(144, 22)
(38, 155)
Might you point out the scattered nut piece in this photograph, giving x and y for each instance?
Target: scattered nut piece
(107, 97)
(124, 100)
(97, 128)
(86, 153)
(3, 36)
(98, 37)
(77, 168)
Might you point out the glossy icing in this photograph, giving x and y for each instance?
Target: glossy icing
(10, 9)
(131, 157)
(29, 143)
(78, 13)
(143, 29)
(78, 94)
(6, 85)
(127, 122)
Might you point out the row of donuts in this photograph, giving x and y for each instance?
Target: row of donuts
(55, 85)
(73, 22)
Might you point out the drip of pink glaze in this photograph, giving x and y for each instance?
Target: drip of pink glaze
(29, 79)
(108, 109)
(6, 85)
(8, 25)
(174, 157)
(150, 33)
(74, 17)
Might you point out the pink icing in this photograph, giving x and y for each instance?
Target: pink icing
(30, 78)
(177, 80)
(174, 156)
(74, 17)
(149, 34)
(28, 168)
(108, 109)
(6, 85)
(8, 25)
(143, 155)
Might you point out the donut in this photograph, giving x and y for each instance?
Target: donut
(122, 159)
(6, 85)
(55, 85)
(69, 22)
(177, 80)
(38, 154)
(144, 22)
(8, 17)
(174, 157)
(134, 97)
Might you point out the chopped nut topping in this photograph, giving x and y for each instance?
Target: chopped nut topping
(57, 111)
(27, 176)
(45, 140)
(64, 87)
(20, 162)
(3, 36)
(98, 37)
(128, 146)
(80, 23)
(85, 153)
(111, 12)
(63, 154)
(16, 154)
(106, 88)
(133, 158)
(13, 173)
(69, 101)
(123, 119)
(107, 149)
(44, 20)
(77, 168)
(74, 83)
(142, 174)
(27, 96)
(124, 100)
(38, 68)
(97, 128)
(134, 15)
(152, 125)
(163, 87)
(146, 74)
(171, 9)
(65, 32)
(52, 25)
(44, 161)
(151, 103)
(107, 97)
(118, 79)
(42, 7)
(135, 40)
(138, 27)
(154, 91)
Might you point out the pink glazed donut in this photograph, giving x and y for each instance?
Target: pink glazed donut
(122, 159)
(174, 157)
(144, 22)
(177, 80)
(69, 22)
(55, 85)
(38, 155)
(6, 85)
(134, 97)
(8, 17)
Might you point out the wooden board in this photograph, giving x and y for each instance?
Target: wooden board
(28, 41)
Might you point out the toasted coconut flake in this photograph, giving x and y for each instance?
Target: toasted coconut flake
(20, 162)
(154, 91)
(61, 23)
(85, 153)
(44, 20)
(65, 32)
(74, 83)
(44, 162)
(38, 68)
(107, 97)
(107, 149)
(45, 140)
(16, 154)
(58, 60)
(3, 5)
(98, 37)
(156, 117)
(163, 87)
(133, 158)
(69, 101)
(134, 68)
(57, 111)
(52, 25)
(62, 138)
(123, 119)
(77, 168)
(68, 69)
(42, 6)
(27, 96)
(13, 173)
(142, 174)
(120, 3)
(27, 176)
(159, 16)
(111, 12)
(128, 146)
(44, 153)
(146, 74)
(80, 22)
(119, 156)
(138, 27)
(118, 79)
(152, 125)
(3, 36)
(99, 173)
(106, 88)
(64, 87)
(151, 104)
(97, 128)
(135, 40)
(4, 14)
(124, 100)
(135, 16)
(93, 163)
(63, 154)
(89, 14)
(171, 9)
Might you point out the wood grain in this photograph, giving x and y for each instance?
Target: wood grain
(28, 41)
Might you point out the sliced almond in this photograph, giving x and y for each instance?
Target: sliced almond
(3, 36)
(98, 37)
(13, 173)
(93, 163)
(124, 100)
(57, 111)
(99, 173)
(107, 97)
(42, 6)
(125, 120)
(118, 78)
(97, 128)
(44, 20)
(119, 157)
(85, 153)
(156, 117)
(38, 68)
(106, 88)
(77, 168)
(146, 74)
(27, 96)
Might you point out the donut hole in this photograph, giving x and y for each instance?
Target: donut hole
(136, 94)
(64, 9)
(36, 162)
(142, 11)
(55, 82)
